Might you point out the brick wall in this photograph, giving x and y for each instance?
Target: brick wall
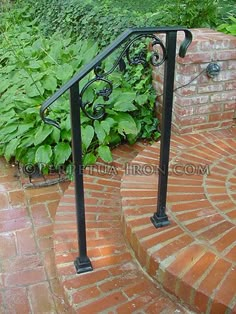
(206, 103)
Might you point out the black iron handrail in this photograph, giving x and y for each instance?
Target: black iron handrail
(167, 56)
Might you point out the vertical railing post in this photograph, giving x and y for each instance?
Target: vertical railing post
(82, 262)
(160, 219)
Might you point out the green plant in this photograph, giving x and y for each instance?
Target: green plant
(32, 67)
(229, 27)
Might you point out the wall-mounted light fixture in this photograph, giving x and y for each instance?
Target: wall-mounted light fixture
(213, 69)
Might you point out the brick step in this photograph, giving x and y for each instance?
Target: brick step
(117, 284)
(194, 258)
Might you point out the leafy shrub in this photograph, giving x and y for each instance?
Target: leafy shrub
(32, 67)
(229, 27)
(104, 20)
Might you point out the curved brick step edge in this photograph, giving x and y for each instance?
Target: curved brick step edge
(185, 264)
(117, 284)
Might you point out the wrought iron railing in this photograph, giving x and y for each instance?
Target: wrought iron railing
(166, 55)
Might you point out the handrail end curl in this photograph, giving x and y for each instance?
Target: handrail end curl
(185, 43)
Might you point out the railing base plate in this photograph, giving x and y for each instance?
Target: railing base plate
(159, 222)
(83, 266)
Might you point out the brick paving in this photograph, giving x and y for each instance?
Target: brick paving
(28, 280)
(193, 259)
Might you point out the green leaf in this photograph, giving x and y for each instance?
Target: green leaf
(43, 132)
(43, 154)
(11, 148)
(123, 101)
(56, 135)
(34, 64)
(87, 136)
(141, 99)
(106, 126)
(89, 159)
(8, 129)
(62, 152)
(24, 127)
(64, 72)
(105, 153)
(101, 134)
(50, 83)
(34, 90)
(4, 84)
(126, 124)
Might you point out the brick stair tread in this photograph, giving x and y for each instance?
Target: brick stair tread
(194, 257)
(117, 284)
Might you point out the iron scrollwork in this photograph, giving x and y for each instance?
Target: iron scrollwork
(94, 110)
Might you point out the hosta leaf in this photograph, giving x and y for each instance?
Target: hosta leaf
(87, 136)
(34, 89)
(4, 84)
(89, 159)
(126, 124)
(11, 148)
(106, 126)
(124, 106)
(56, 135)
(124, 101)
(43, 132)
(101, 134)
(62, 152)
(34, 64)
(43, 154)
(105, 153)
(64, 72)
(50, 83)
(8, 129)
(25, 127)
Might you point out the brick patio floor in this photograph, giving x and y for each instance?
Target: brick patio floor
(194, 258)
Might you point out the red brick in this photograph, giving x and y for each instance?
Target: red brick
(173, 247)
(25, 277)
(4, 204)
(230, 86)
(40, 214)
(208, 108)
(213, 232)
(203, 223)
(25, 241)
(7, 245)
(44, 231)
(195, 58)
(46, 198)
(221, 116)
(231, 254)
(16, 197)
(41, 298)
(17, 301)
(86, 279)
(45, 244)
(225, 293)
(120, 282)
(21, 262)
(88, 294)
(210, 283)
(193, 275)
(13, 213)
(111, 260)
(191, 205)
(224, 55)
(103, 303)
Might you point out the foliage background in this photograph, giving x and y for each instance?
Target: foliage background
(44, 43)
